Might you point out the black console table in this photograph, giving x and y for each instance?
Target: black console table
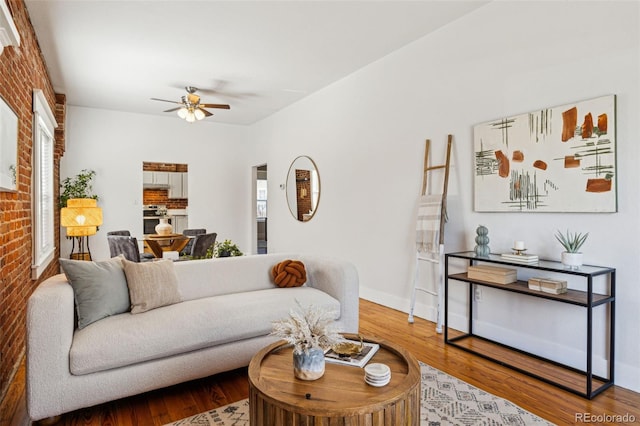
(581, 382)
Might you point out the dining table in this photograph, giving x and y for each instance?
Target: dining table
(159, 244)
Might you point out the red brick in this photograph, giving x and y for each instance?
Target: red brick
(22, 70)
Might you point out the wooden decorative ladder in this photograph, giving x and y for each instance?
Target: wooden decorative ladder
(439, 260)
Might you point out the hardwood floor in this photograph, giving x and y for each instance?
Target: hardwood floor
(176, 402)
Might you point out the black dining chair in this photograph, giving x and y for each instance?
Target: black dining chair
(186, 251)
(123, 233)
(202, 243)
(126, 246)
(126, 233)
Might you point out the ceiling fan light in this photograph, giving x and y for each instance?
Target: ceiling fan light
(190, 117)
(182, 113)
(199, 114)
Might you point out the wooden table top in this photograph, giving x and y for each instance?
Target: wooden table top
(341, 391)
(165, 237)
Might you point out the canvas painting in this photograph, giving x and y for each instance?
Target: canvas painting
(560, 159)
(8, 147)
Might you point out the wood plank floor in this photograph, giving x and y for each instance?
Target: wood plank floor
(176, 402)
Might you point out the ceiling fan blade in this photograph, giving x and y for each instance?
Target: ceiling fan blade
(220, 106)
(164, 100)
(172, 109)
(206, 113)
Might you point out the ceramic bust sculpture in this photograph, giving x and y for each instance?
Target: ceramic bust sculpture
(482, 241)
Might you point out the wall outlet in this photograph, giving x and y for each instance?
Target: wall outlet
(477, 293)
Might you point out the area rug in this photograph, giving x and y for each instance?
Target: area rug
(445, 400)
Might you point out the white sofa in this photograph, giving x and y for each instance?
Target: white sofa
(224, 318)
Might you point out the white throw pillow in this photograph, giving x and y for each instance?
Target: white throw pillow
(151, 284)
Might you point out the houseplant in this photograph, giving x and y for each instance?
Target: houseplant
(311, 331)
(79, 186)
(226, 248)
(572, 242)
(79, 212)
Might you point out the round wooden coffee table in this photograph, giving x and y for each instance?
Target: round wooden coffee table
(341, 396)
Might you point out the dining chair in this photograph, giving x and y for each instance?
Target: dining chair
(186, 251)
(127, 246)
(126, 233)
(123, 233)
(202, 243)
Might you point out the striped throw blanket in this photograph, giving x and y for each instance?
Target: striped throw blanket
(428, 223)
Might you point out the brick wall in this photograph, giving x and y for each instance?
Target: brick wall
(303, 186)
(161, 196)
(22, 69)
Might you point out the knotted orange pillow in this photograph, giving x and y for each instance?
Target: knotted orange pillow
(289, 273)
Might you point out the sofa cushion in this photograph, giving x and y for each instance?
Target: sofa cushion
(151, 284)
(127, 339)
(226, 275)
(289, 273)
(99, 288)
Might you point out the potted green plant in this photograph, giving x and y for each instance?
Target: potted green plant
(226, 248)
(572, 242)
(79, 186)
(311, 330)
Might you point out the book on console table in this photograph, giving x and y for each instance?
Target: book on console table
(548, 285)
(525, 258)
(360, 360)
(492, 274)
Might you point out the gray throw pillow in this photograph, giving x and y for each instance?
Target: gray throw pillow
(100, 288)
(151, 284)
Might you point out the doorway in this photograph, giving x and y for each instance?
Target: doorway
(261, 209)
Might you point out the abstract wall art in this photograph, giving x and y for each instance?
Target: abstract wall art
(560, 159)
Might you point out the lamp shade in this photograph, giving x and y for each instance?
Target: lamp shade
(81, 212)
(81, 231)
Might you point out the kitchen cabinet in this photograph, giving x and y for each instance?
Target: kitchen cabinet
(155, 179)
(178, 185)
(180, 223)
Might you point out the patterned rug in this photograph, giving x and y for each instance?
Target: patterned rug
(445, 400)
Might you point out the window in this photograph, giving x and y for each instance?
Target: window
(261, 198)
(44, 124)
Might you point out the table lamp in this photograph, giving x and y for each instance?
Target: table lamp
(81, 217)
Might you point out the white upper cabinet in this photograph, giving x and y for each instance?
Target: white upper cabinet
(178, 185)
(155, 179)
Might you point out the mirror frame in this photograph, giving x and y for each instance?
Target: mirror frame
(292, 204)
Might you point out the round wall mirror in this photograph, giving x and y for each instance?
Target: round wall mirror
(303, 188)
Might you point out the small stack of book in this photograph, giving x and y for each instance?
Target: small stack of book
(548, 285)
(492, 274)
(524, 258)
(359, 360)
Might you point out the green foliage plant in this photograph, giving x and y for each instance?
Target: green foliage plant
(79, 186)
(571, 241)
(225, 249)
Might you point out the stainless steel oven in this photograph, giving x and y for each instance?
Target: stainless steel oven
(151, 217)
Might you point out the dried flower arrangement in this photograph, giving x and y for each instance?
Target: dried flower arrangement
(308, 328)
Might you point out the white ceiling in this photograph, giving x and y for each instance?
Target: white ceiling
(257, 56)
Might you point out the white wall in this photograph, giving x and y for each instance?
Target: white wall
(366, 134)
(115, 145)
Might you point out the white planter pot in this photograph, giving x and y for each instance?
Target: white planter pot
(572, 260)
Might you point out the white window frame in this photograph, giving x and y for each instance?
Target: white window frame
(43, 201)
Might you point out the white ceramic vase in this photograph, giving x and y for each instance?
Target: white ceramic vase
(572, 260)
(164, 227)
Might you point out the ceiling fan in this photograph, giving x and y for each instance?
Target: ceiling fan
(190, 107)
